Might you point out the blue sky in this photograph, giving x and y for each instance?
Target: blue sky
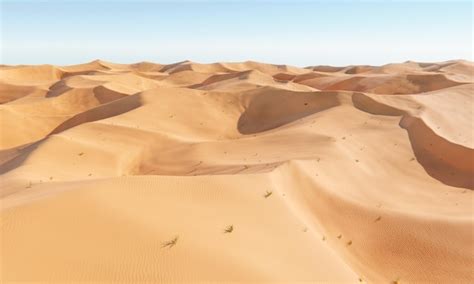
(293, 32)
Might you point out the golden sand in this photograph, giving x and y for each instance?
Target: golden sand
(243, 172)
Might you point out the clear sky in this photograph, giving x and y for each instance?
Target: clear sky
(293, 32)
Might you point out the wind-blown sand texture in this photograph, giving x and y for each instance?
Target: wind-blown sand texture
(245, 172)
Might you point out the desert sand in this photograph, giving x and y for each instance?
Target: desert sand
(237, 172)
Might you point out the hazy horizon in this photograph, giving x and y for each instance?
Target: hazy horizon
(299, 33)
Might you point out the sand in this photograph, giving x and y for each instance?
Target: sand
(237, 172)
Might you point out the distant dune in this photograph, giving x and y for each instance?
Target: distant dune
(237, 172)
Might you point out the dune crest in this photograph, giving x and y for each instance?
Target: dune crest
(237, 171)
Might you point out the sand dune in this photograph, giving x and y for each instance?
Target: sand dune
(237, 172)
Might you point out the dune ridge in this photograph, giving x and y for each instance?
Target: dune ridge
(237, 172)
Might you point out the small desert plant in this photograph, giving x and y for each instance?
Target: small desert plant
(229, 229)
(378, 219)
(170, 243)
(80, 154)
(339, 237)
(349, 243)
(267, 194)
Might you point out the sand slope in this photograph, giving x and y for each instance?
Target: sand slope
(246, 172)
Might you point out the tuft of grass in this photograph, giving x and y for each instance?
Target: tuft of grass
(29, 185)
(267, 194)
(339, 237)
(349, 243)
(229, 229)
(305, 229)
(378, 219)
(50, 178)
(324, 238)
(412, 159)
(170, 243)
(80, 154)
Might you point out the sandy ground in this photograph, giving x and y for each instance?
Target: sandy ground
(237, 172)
